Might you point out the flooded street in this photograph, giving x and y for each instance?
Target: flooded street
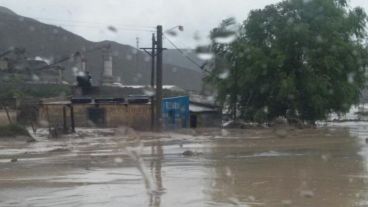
(310, 167)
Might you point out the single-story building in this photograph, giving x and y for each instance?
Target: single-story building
(135, 112)
(185, 112)
(86, 112)
(204, 115)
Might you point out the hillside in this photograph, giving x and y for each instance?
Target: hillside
(53, 43)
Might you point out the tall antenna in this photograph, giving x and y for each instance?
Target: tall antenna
(137, 56)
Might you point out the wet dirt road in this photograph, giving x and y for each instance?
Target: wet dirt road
(312, 167)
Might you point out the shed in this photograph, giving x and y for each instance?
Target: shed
(204, 115)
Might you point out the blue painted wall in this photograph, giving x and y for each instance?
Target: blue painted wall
(175, 112)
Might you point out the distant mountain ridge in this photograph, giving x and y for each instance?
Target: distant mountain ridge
(54, 43)
(6, 11)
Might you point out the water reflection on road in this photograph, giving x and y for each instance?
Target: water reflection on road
(156, 171)
(311, 167)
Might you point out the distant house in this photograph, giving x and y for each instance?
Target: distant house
(114, 106)
(193, 112)
(204, 115)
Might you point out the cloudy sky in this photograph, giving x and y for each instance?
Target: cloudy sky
(138, 18)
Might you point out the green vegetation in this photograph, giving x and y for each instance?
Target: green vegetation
(47, 90)
(297, 59)
(13, 130)
(15, 87)
(15, 93)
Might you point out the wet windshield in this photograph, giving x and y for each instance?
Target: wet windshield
(183, 103)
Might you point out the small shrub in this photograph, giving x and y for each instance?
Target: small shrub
(13, 130)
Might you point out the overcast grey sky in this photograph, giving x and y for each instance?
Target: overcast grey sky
(136, 18)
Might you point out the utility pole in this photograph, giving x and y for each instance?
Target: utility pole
(235, 91)
(158, 116)
(137, 55)
(151, 51)
(153, 58)
(157, 51)
(152, 54)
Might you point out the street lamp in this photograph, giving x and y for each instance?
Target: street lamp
(172, 32)
(180, 28)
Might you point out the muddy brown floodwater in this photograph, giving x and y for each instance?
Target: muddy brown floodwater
(323, 167)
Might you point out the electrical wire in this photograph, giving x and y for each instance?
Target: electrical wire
(185, 55)
(91, 26)
(95, 23)
(66, 58)
(97, 27)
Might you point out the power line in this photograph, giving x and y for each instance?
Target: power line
(93, 26)
(137, 54)
(186, 56)
(97, 27)
(66, 58)
(94, 23)
(182, 44)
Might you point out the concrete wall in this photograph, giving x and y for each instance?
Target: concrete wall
(135, 116)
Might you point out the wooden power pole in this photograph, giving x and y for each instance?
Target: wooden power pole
(156, 70)
(158, 110)
(153, 66)
(152, 54)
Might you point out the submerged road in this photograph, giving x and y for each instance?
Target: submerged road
(325, 167)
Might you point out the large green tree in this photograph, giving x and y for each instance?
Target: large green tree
(300, 59)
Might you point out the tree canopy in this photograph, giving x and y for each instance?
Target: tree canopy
(300, 59)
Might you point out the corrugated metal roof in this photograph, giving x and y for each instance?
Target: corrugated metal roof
(197, 108)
